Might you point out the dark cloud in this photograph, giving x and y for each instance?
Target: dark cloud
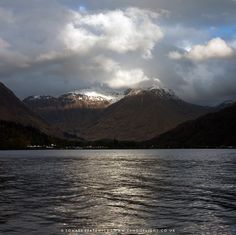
(187, 12)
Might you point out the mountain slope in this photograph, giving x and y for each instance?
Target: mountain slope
(143, 114)
(212, 130)
(16, 136)
(66, 101)
(72, 112)
(14, 110)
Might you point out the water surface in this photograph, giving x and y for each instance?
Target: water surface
(190, 191)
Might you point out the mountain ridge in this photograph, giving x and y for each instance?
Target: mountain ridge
(141, 113)
(13, 109)
(138, 115)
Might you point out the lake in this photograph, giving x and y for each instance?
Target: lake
(118, 192)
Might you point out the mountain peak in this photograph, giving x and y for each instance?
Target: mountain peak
(71, 100)
(154, 90)
(99, 94)
(91, 95)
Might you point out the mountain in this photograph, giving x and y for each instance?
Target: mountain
(86, 99)
(74, 111)
(71, 100)
(135, 115)
(16, 136)
(14, 110)
(213, 130)
(141, 115)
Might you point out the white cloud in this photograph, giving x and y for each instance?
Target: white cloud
(87, 35)
(81, 36)
(78, 39)
(119, 77)
(120, 31)
(216, 48)
(127, 78)
(175, 55)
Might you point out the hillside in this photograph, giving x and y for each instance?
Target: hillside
(213, 130)
(17, 136)
(71, 112)
(14, 110)
(142, 115)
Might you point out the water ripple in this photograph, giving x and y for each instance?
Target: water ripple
(191, 191)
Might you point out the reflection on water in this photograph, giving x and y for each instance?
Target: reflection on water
(191, 191)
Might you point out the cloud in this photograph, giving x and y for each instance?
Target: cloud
(3, 44)
(119, 77)
(233, 42)
(6, 16)
(192, 13)
(216, 48)
(127, 78)
(175, 55)
(120, 31)
(51, 40)
(48, 47)
(208, 83)
(10, 58)
(91, 35)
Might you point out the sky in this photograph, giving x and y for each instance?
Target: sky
(52, 47)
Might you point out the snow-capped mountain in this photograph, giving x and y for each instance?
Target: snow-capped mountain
(143, 114)
(94, 98)
(74, 99)
(98, 94)
(74, 110)
(134, 114)
(90, 95)
(82, 98)
(157, 91)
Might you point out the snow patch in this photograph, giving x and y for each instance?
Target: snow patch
(156, 90)
(98, 95)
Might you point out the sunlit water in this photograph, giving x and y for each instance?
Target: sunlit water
(47, 192)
